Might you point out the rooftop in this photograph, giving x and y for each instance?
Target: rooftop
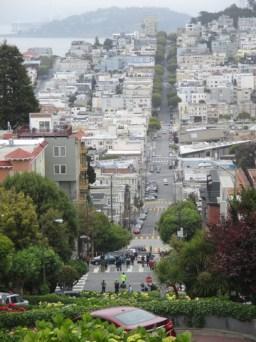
(204, 146)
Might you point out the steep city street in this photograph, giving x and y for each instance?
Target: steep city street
(157, 161)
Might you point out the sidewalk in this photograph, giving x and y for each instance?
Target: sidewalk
(210, 335)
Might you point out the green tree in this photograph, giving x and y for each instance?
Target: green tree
(56, 232)
(245, 155)
(156, 100)
(46, 195)
(104, 236)
(96, 43)
(190, 263)
(118, 237)
(6, 253)
(67, 277)
(28, 266)
(18, 220)
(182, 214)
(173, 101)
(17, 99)
(159, 69)
(154, 124)
(243, 116)
(108, 44)
(90, 171)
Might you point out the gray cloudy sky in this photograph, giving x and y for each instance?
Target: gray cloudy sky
(38, 10)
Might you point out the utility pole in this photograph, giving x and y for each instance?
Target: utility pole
(111, 198)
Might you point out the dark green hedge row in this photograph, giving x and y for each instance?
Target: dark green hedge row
(194, 310)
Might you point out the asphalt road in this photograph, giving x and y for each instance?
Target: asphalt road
(158, 154)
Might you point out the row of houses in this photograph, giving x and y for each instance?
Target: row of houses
(216, 76)
(95, 106)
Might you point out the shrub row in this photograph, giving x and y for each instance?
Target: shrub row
(70, 307)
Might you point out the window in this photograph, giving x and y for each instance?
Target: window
(59, 151)
(44, 126)
(60, 169)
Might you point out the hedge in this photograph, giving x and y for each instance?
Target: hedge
(71, 307)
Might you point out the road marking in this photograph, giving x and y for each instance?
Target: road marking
(129, 269)
(96, 269)
(141, 268)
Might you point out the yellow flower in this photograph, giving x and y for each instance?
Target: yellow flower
(169, 339)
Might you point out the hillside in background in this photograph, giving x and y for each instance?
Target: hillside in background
(232, 11)
(104, 22)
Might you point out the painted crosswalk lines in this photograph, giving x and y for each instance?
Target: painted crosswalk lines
(127, 269)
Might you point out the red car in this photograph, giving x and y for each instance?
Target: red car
(136, 231)
(130, 318)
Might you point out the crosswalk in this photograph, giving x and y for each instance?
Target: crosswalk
(156, 210)
(136, 268)
(80, 285)
(159, 202)
(147, 237)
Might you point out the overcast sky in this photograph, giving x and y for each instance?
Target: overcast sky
(38, 10)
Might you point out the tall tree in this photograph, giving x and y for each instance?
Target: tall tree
(189, 263)
(31, 265)
(18, 219)
(17, 99)
(235, 256)
(47, 195)
(6, 252)
(235, 242)
(180, 215)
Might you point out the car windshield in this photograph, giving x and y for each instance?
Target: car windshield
(134, 317)
(16, 299)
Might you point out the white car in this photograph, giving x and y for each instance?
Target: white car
(165, 181)
(12, 298)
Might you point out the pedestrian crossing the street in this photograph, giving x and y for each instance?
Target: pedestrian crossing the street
(127, 269)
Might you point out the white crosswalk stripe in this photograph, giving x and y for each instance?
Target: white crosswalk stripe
(129, 269)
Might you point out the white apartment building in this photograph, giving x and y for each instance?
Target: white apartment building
(247, 41)
(247, 24)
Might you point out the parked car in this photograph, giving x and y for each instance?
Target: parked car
(142, 216)
(149, 198)
(15, 299)
(138, 225)
(108, 258)
(165, 181)
(136, 230)
(130, 318)
(158, 169)
(137, 248)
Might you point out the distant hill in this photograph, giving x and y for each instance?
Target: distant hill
(104, 22)
(232, 11)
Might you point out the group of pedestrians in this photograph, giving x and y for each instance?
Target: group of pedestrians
(122, 284)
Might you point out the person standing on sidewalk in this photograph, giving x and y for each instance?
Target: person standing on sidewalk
(123, 279)
(116, 286)
(103, 286)
(130, 289)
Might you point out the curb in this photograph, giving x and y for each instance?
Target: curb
(216, 332)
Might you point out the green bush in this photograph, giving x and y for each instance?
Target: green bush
(193, 310)
(90, 329)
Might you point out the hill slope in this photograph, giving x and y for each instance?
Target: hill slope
(104, 22)
(232, 11)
